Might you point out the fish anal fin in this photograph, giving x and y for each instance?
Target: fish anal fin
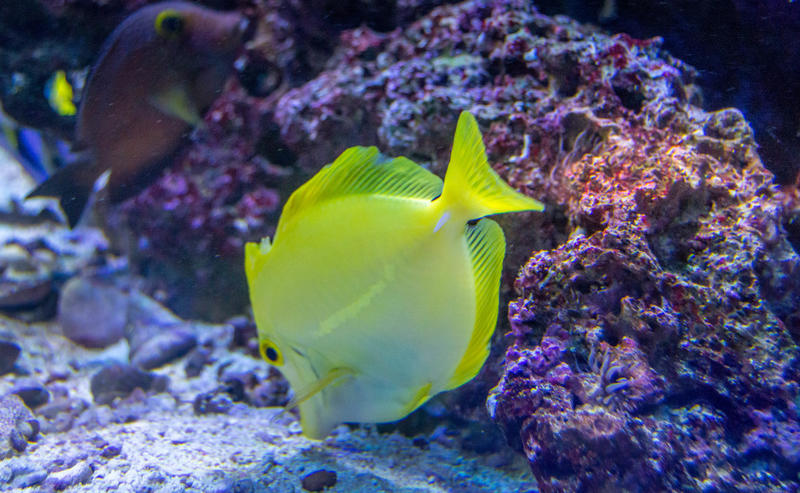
(420, 397)
(363, 170)
(486, 244)
(471, 185)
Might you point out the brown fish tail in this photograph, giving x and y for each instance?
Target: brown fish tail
(71, 185)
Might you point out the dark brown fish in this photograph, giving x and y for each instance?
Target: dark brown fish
(156, 74)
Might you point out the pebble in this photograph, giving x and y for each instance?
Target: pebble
(197, 360)
(144, 311)
(80, 473)
(319, 480)
(21, 473)
(244, 330)
(163, 347)
(216, 401)
(62, 405)
(9, 352)
(59, 415)
(119, 380)
(32, 393)
(24, 293)
(111, 451)
(156, 336)
(244, 486)
(92, 313)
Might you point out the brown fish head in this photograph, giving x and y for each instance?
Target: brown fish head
(157, 73)
(155, 76)
(198, 45)
(195, 30)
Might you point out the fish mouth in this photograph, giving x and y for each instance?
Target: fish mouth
(246, 29)
(224, 37)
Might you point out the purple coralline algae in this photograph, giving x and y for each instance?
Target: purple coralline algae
(746, 50)
(655, 348)
(653, 334)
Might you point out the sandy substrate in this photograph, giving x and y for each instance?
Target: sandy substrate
(172, 452)
(156, 442)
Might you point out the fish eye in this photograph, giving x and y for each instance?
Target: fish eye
(169, 23)
(270, 352)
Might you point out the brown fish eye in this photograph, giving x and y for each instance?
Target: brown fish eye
(169, 23)
(270, 352)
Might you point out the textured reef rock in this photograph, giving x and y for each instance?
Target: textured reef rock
(746, 51)
(654, 336)
(656, 348)
(219, 194)
(17, 426)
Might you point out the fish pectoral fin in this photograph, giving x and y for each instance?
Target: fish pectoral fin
(175, 102)
(333, 377)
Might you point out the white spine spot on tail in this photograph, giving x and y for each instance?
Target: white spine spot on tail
(442, 221)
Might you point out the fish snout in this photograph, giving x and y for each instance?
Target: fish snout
(247, 29)
(223, 35)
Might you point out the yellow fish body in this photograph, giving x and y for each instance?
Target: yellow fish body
(379, 291)
(59, 94)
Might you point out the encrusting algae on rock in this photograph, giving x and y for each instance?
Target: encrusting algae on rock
(404, 276)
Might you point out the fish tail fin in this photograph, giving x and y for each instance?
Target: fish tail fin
(72, 185)
(471, 185)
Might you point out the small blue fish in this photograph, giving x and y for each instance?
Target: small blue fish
(40, 153)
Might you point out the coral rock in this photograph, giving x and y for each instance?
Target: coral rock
(661, 319)
(17, 426)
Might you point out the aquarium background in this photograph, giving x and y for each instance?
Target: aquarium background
(649, 318)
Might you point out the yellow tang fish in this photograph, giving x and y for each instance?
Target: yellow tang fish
(380, 290)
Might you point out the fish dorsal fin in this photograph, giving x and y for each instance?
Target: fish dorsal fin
(487, 246)
(363, 170)
(254, 256)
